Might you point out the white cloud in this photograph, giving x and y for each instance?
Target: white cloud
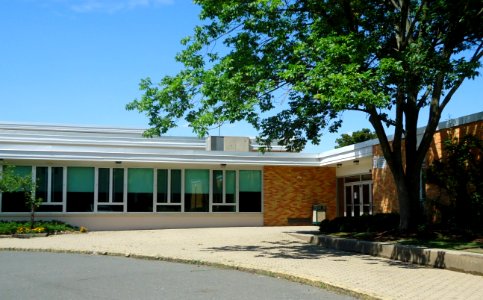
(112, 6)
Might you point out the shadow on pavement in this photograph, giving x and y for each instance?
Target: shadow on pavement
(287, 249)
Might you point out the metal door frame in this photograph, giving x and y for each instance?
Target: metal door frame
(361, 195)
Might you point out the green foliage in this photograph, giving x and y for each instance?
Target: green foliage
(364, 223)
(359, 136)
(290, 68)
(459, 172)
(11, 182)
(50, 227)
(307, 61)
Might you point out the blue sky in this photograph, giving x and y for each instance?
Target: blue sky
(80, 61)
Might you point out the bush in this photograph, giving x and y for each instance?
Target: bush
(364, 223)
(50, 227)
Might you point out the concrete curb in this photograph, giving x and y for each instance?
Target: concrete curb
(437, 258)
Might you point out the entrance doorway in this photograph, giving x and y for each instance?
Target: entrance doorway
(358, 195)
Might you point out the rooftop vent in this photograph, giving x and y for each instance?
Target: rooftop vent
(228, 143)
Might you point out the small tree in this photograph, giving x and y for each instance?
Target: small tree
(29, 187)
(9, 181)
(359, 136)
(12, 182)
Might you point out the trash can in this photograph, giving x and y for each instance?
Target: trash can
(318, 213)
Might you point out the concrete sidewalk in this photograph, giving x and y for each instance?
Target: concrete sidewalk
(270, 250)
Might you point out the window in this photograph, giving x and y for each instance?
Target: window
(250, 194)
(110, 189)
(42, 177)
(197, 190)
(80, 189)
(218, 186)
(166, 201)
(118, 185)
(230, 194)
(224, 191)
(105, 189)
(175, 186)
(103, 183)
(50, 188)
(57, 184)
(15, 201)
(162, 184)
(140, 190)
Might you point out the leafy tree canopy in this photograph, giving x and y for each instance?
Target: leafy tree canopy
(11, 181)
(365, 134)
(291, 67)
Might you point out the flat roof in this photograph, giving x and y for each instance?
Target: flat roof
(22, 141)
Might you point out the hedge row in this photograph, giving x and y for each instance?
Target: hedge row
(364, 223)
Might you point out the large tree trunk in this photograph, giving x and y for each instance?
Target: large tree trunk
(405, 159)
(408, 193)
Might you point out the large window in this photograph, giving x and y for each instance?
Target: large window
(103, 183)
(80, 189)
(224, 191)
(15, 201)
(218, 189)
(250, 191)
(107, 189)
(162, 185)
(197, 190)
(140, 190)
(42, 177)
(176, 186)
(168, 199)
(50, 188)
(57, 184)
(110, 189)
(118, 185)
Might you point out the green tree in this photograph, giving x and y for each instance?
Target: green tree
(10, 181)
(290, 68)
(365, 134)
(459, 172)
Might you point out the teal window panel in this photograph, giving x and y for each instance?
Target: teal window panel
(197, 189)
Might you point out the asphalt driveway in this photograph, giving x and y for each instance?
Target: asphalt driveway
(269, 250)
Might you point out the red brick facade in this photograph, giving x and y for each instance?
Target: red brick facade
(290, 192)
(384, 188)
(436, 149)
(384, 195)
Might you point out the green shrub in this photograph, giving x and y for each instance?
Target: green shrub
(8, 227)
(364, 223)
(11, 227)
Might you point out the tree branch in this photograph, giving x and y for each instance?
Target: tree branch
(424, 97)
(476, 57)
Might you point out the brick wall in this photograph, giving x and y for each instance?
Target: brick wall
(290, 192)
(384, 194)
(436, 150)
(384, 188)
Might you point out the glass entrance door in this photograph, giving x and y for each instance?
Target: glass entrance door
(358, 198)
